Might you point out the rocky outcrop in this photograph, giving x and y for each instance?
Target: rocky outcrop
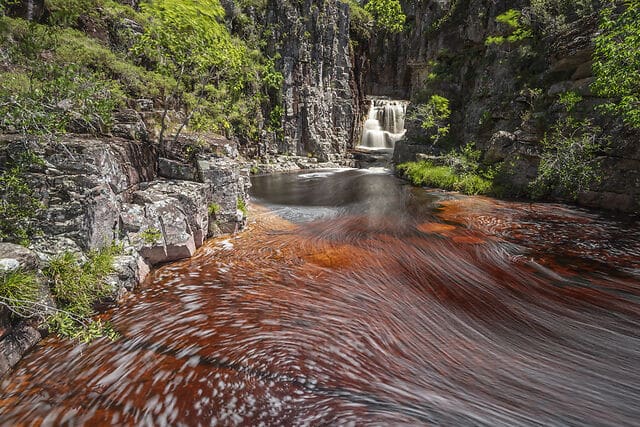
(320, 112)
(100, 190)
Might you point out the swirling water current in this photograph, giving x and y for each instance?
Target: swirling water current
(356, 300)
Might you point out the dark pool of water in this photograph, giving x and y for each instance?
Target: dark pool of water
(356, 300)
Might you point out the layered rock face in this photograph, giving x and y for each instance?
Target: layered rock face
(504, 97)
(99, 190)
(320, 110)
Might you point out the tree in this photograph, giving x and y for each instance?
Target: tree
(190, 42)
(433, 117)
(616, 64)
(387, 14)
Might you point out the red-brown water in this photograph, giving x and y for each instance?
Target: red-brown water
(355, 300)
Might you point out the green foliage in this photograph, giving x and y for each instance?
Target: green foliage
(19, 291)
(445, 177)
(387, 14)
(361, 22)
(151, 235)
(63, 77)
(65, 13)
(214, 208)
(76, 285)
(18, 203)
(569, 100)
(433, 116)
(73, 47)
(460, 170)
(518, 31)
(68, 326)
(568, 164)
(242, 206)
(617, 60)
(222, 82)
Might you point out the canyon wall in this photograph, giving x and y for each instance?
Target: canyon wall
(320, 107)
(504, 97)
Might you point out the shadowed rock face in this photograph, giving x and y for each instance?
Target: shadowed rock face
(320, 106)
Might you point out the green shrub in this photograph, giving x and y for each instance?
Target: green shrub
(518, 31)
(19, 291)
(388, 14)
(569, 100)
(433, 117)
(77, 287)
(617, 61)
(568, 164)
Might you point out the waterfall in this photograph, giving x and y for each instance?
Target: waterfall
(384, 125)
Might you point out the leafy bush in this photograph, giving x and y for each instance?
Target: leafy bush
(568, 164)
(387, 14)
(433, 116)
(617, 61)
(569, 100)
(518, 31)
(18, 292)
(222, 82)
(18, 204)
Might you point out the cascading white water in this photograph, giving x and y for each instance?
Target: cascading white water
(384, 125)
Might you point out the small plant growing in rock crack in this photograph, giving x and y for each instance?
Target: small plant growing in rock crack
(77, 287)
(214, 209)
(242, 206)
(151, 235)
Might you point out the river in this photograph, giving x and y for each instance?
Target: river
(354, 299)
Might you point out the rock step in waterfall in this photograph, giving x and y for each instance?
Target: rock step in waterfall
(384, 125)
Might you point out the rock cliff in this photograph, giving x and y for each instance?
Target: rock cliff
(320, 109)
(504, 96)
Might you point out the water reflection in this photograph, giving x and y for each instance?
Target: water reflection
(369, 303)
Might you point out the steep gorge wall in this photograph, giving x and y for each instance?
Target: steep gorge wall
(320, 106)
(489, 86)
